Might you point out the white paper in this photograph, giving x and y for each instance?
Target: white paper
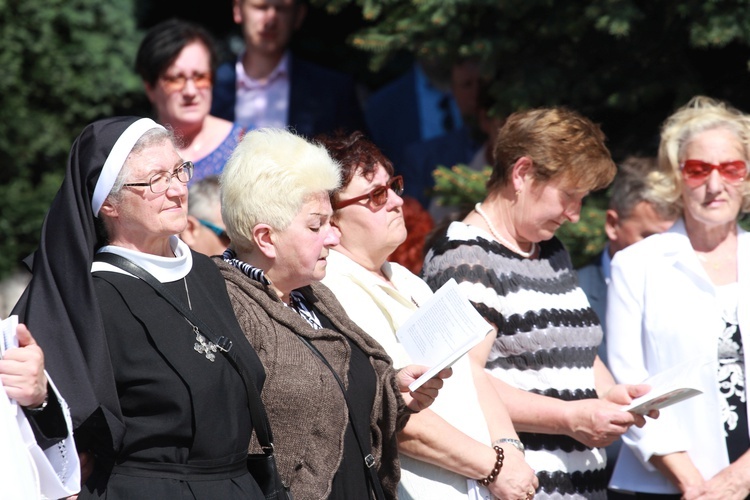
(670, 386)
(442, 330)
(9, 339)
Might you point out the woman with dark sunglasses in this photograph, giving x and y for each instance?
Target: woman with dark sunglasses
(681, 296)
(177, 61)
(445, 451)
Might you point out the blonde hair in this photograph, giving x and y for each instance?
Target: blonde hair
(268, 178)
(700, 114)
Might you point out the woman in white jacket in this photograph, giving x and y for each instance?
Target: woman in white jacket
(681, 296)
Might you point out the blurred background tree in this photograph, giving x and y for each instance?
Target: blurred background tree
(626, 64)
(65, 63)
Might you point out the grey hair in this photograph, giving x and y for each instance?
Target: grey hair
(153, 137)
(204, 196)
(638, 180)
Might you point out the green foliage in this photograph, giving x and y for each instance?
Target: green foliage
(462, 187)
(65, 64)
(586, 238)
(626, 64)
(23, 207)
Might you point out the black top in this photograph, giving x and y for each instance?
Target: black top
(351, 480)
(731, 386)
(185, 417)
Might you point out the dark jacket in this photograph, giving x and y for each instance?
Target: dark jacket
(320, 100)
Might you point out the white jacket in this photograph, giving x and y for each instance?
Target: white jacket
(662, 310)
(380, 310)
(26, 471)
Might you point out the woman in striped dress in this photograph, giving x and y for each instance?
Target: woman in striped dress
(563, 401)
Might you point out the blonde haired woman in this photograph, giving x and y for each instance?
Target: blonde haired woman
(681, 296)
(275, 204)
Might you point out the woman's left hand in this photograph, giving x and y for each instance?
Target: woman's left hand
(729, 484)
(22, 371)
(427, 392)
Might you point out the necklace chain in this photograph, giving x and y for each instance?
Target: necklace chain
(496, 234)
(184, 280)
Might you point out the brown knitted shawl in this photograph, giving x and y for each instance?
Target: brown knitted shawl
(305, 405)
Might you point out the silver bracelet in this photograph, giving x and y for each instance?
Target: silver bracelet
(515, 442)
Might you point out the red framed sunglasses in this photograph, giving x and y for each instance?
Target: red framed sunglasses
(696, 172)
(378, 196)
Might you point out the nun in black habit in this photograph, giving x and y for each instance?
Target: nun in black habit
(161, 416)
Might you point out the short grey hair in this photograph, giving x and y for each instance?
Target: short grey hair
(638, 180)
(153, 137)
(204, 196)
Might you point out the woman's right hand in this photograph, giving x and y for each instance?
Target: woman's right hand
(516, 479)
(598, 422)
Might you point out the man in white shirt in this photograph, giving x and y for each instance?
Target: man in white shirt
(269, 87)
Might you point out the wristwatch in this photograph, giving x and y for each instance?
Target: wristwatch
(41, 407)
(515, 442)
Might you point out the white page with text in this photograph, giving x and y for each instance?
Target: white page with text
(442, 330)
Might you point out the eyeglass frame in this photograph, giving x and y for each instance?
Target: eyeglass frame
(698, 180)
(388, 186)
(221, 233)
(170, 81)
(184, 166)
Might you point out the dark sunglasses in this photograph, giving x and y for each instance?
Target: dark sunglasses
(696, 172)
(221, 233)
(378, 196)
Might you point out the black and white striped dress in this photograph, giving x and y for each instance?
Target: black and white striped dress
(546, 343)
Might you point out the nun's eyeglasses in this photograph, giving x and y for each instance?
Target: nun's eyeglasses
(159, 182)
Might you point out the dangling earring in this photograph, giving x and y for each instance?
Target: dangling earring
(518, 193)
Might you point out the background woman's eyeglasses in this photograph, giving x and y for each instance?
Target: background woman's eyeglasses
(378, 196)
(160, 181)
(221, 233)
(696, 172)
(176, 83)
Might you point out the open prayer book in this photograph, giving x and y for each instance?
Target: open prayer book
(670, 386)
(442, 330)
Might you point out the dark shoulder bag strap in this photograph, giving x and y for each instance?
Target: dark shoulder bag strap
(369, 459)
(257, 410)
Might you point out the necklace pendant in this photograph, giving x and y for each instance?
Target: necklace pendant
(203, 346)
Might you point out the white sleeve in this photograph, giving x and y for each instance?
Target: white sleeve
(630, 353)
(58, 466)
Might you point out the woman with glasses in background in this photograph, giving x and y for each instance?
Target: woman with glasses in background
(177, 60)
(205, 232)
(162, 413)
(682, 296)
